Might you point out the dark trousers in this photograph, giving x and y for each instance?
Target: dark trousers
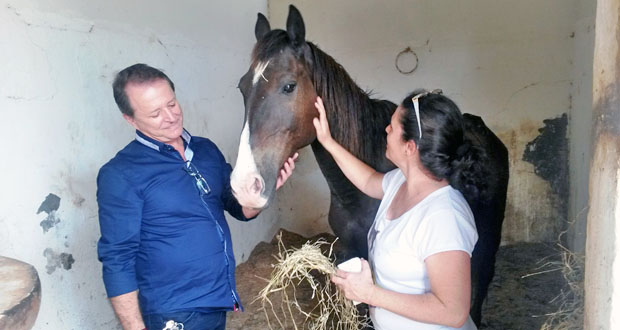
(186, 321)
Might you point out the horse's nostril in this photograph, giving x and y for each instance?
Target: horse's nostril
(256, 186)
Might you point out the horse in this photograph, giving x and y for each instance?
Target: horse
(279, 89)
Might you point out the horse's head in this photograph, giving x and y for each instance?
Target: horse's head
(279, 96)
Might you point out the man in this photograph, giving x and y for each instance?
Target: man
(165, 245)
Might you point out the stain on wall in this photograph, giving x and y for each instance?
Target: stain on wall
(532, 213)
(50, 205)
(56, 260)
(78, 201)
(548, 152)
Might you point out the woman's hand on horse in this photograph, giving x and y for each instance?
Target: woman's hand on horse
(286, 170)
(356, 286)
(320, 124)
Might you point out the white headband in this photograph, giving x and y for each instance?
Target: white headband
(416, 106)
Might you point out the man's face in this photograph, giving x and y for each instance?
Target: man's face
(156, 111)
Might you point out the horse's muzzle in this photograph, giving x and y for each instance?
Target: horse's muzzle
(249, 191)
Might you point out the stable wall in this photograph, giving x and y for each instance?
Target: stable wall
(60, 124)
(516, 64)
(512, 62)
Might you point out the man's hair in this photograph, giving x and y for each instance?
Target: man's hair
(135, 74)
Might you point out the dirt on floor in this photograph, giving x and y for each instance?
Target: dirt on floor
(525, 287)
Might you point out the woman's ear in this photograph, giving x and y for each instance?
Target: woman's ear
(411, 147)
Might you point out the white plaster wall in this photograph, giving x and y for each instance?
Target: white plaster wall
(511, 62)
(60, 123)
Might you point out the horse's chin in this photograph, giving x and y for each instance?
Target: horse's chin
(252, 201)
(250, 190)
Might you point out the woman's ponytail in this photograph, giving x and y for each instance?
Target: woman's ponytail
(468, 173)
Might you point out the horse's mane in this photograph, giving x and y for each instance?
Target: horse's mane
(356, 120)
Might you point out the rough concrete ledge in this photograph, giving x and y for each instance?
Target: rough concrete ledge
(20, 294)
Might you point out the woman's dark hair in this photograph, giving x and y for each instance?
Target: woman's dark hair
(444, 150)
(135, 74)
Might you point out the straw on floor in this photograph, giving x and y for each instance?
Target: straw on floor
(569, 315)
(307, 266)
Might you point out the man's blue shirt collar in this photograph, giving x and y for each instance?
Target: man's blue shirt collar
(157, 145)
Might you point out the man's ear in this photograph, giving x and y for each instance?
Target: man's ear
(131, 120)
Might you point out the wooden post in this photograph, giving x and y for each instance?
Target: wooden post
(602, 282)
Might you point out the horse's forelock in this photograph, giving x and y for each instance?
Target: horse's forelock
(270, 45)
(274, 42)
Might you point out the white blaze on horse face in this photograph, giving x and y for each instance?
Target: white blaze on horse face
(259, 69)
(246, 182)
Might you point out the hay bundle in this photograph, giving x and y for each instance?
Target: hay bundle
(307, 266)
(570, 313)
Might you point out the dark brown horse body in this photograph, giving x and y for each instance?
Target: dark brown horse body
(279, 90)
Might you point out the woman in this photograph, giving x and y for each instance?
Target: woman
(421, 241)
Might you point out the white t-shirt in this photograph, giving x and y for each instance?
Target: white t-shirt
(441, 222)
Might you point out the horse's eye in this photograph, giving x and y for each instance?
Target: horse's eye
(289, 88)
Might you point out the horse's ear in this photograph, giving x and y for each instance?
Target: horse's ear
(262, 27)
(295, 26)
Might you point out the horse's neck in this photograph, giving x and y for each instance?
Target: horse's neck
(341, 188)
(368, 149)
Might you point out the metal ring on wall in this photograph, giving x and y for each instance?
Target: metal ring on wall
(407, 50)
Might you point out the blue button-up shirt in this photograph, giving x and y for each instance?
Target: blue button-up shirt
(159, 235)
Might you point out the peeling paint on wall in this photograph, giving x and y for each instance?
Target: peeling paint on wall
(50, 205)
(55, 260)
(548, 152)
(531, 212)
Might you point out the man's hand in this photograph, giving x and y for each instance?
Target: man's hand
(286, 170)
(285, 173)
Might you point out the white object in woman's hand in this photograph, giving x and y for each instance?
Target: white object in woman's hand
(356, 286)
(353, 265)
